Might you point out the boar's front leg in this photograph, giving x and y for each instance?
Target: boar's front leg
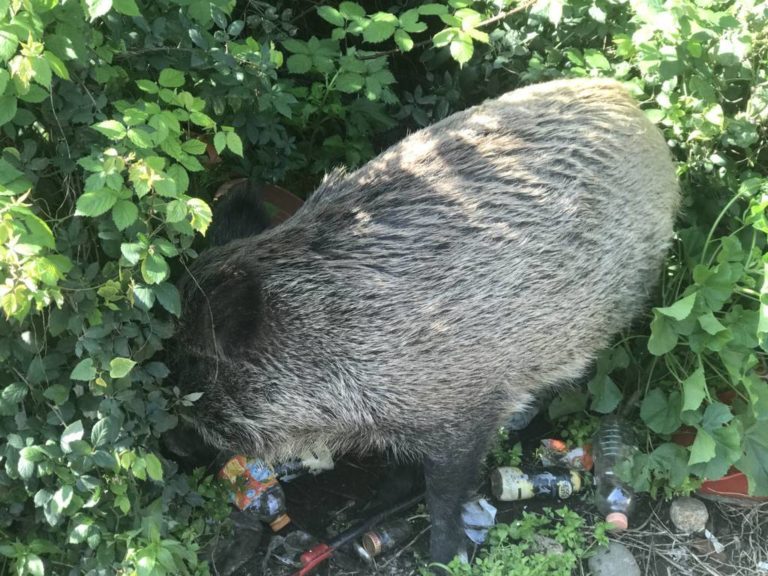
(451, 475)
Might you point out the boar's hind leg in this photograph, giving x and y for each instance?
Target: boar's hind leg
(450, 477)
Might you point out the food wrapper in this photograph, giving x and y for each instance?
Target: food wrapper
(249, 479)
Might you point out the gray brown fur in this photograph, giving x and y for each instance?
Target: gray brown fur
(415, 303)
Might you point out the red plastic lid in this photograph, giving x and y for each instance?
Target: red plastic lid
(618, 519)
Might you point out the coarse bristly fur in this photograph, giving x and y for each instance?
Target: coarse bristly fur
(415, 303)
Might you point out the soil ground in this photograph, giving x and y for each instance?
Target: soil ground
(324, 505)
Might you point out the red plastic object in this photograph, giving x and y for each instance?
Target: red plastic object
(313, 557)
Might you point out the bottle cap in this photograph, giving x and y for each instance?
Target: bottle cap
(372, 543)
(618, 519)
(280, 522)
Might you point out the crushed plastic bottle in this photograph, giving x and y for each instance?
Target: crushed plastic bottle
(613, 447)
(255, 489)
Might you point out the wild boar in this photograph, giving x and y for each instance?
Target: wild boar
(415, 303)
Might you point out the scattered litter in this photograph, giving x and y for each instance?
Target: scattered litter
(510, 483)
(714, 541)
(384, 538)
(556, 453)
(612, 449)
(478, 516)
(762, 566)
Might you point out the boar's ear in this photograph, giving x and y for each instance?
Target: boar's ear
(222, 312)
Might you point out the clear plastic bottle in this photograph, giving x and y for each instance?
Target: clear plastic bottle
(613, 447)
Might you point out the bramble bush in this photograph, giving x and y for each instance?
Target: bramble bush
(110, 113)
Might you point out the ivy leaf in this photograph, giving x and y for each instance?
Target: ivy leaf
(663, 335)
(124, 213)
(98, 8)
(120, 367)
(661, 414)
(694, 389)
(715, 416)
(754, 462)
(710, 324)
(606, 394)
(331, 15)
(171, 78)
(84, 370)
(703, 449)
(681, 309)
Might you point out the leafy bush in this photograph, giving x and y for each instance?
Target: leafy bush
(117, 119)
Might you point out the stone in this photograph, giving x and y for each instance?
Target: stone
(689, 515)
(547, 545)
(612, 560)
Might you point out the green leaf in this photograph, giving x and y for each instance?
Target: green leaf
(8, 44)
(112, 129)
(432, 9)
(120, 367)
(15, 392)
(710, 324)
(444, 37)
(127, 7)
(175, 211)
(71, 434)
(33, 565)
(716, 415)
(132, 252)
(661, 414)
(141, 137)
(754, 462)
(349, 82)
(298, 63)
(567, 402)
(169, 298)
(201, 214)
(147, 86)
(234, 143)
(220, 142)
(171, 78)
(94, 203)
(351, 10)
(462, 48)
(105, 431)
(703, 449)
(124, 213)
(98, 8)
(59, 394)
(681, 309)
(663, 335)
(606, 394)
(596, 59)
(202, 120)
(378, 31)
(331, 15)
(154, 467)
(58, 67)
(84, 370)
(8, 108)
(694, 389)
(154, 269)
(403, 40)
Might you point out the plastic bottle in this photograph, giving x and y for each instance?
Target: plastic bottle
(509, 483)
(612, 447)
(255, 489)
